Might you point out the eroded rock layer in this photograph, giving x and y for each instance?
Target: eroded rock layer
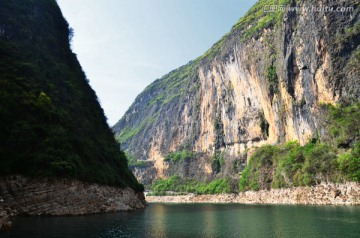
(36, 196)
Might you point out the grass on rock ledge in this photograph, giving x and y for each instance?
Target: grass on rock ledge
(178, 185)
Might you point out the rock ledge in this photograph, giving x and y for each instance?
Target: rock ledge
(56, 197)
(322, 194)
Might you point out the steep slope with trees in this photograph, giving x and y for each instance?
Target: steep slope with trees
(51, 123)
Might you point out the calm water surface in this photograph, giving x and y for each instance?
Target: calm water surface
(199, 220)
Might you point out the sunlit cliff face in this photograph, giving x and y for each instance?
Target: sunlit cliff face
(266, 89)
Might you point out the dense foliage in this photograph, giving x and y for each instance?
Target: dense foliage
(51, 123)
(187, 185)
(178, 156)
(260, 17)
(133, 162)
(294, 165)
(164, 93)
(343, 124)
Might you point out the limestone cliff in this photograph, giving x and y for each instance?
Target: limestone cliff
(262, 83)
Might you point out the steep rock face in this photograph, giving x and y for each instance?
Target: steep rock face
(262, 83)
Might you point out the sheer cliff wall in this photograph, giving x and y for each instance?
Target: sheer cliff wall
(262, 83)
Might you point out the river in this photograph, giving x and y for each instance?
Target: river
(199, 220)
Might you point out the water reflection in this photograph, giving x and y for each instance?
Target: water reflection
(199, 220)
(210, 221)
(159, 227)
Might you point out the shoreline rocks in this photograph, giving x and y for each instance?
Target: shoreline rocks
(322, 194)
(21, 195)
(5, 216)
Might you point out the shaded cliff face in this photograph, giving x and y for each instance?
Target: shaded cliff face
(262, 83)
(51, 123)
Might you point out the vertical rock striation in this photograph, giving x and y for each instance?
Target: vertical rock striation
(262, 83)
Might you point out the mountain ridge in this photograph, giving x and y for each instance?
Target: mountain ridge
(263, 83)
(51, 122)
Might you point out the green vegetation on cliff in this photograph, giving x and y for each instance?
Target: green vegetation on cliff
(179, 156)
(186, 185)
(136, 163)
(51, 123)
(294, 165)
(343, 124)
(260, 16)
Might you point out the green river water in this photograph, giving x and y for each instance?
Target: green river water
(199, 220)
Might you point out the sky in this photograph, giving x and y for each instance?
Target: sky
(124, 45)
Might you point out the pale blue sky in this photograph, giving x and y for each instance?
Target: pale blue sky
(124, 45)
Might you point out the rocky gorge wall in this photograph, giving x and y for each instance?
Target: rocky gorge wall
(263, 83)
(58, 197)
(322, 194)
